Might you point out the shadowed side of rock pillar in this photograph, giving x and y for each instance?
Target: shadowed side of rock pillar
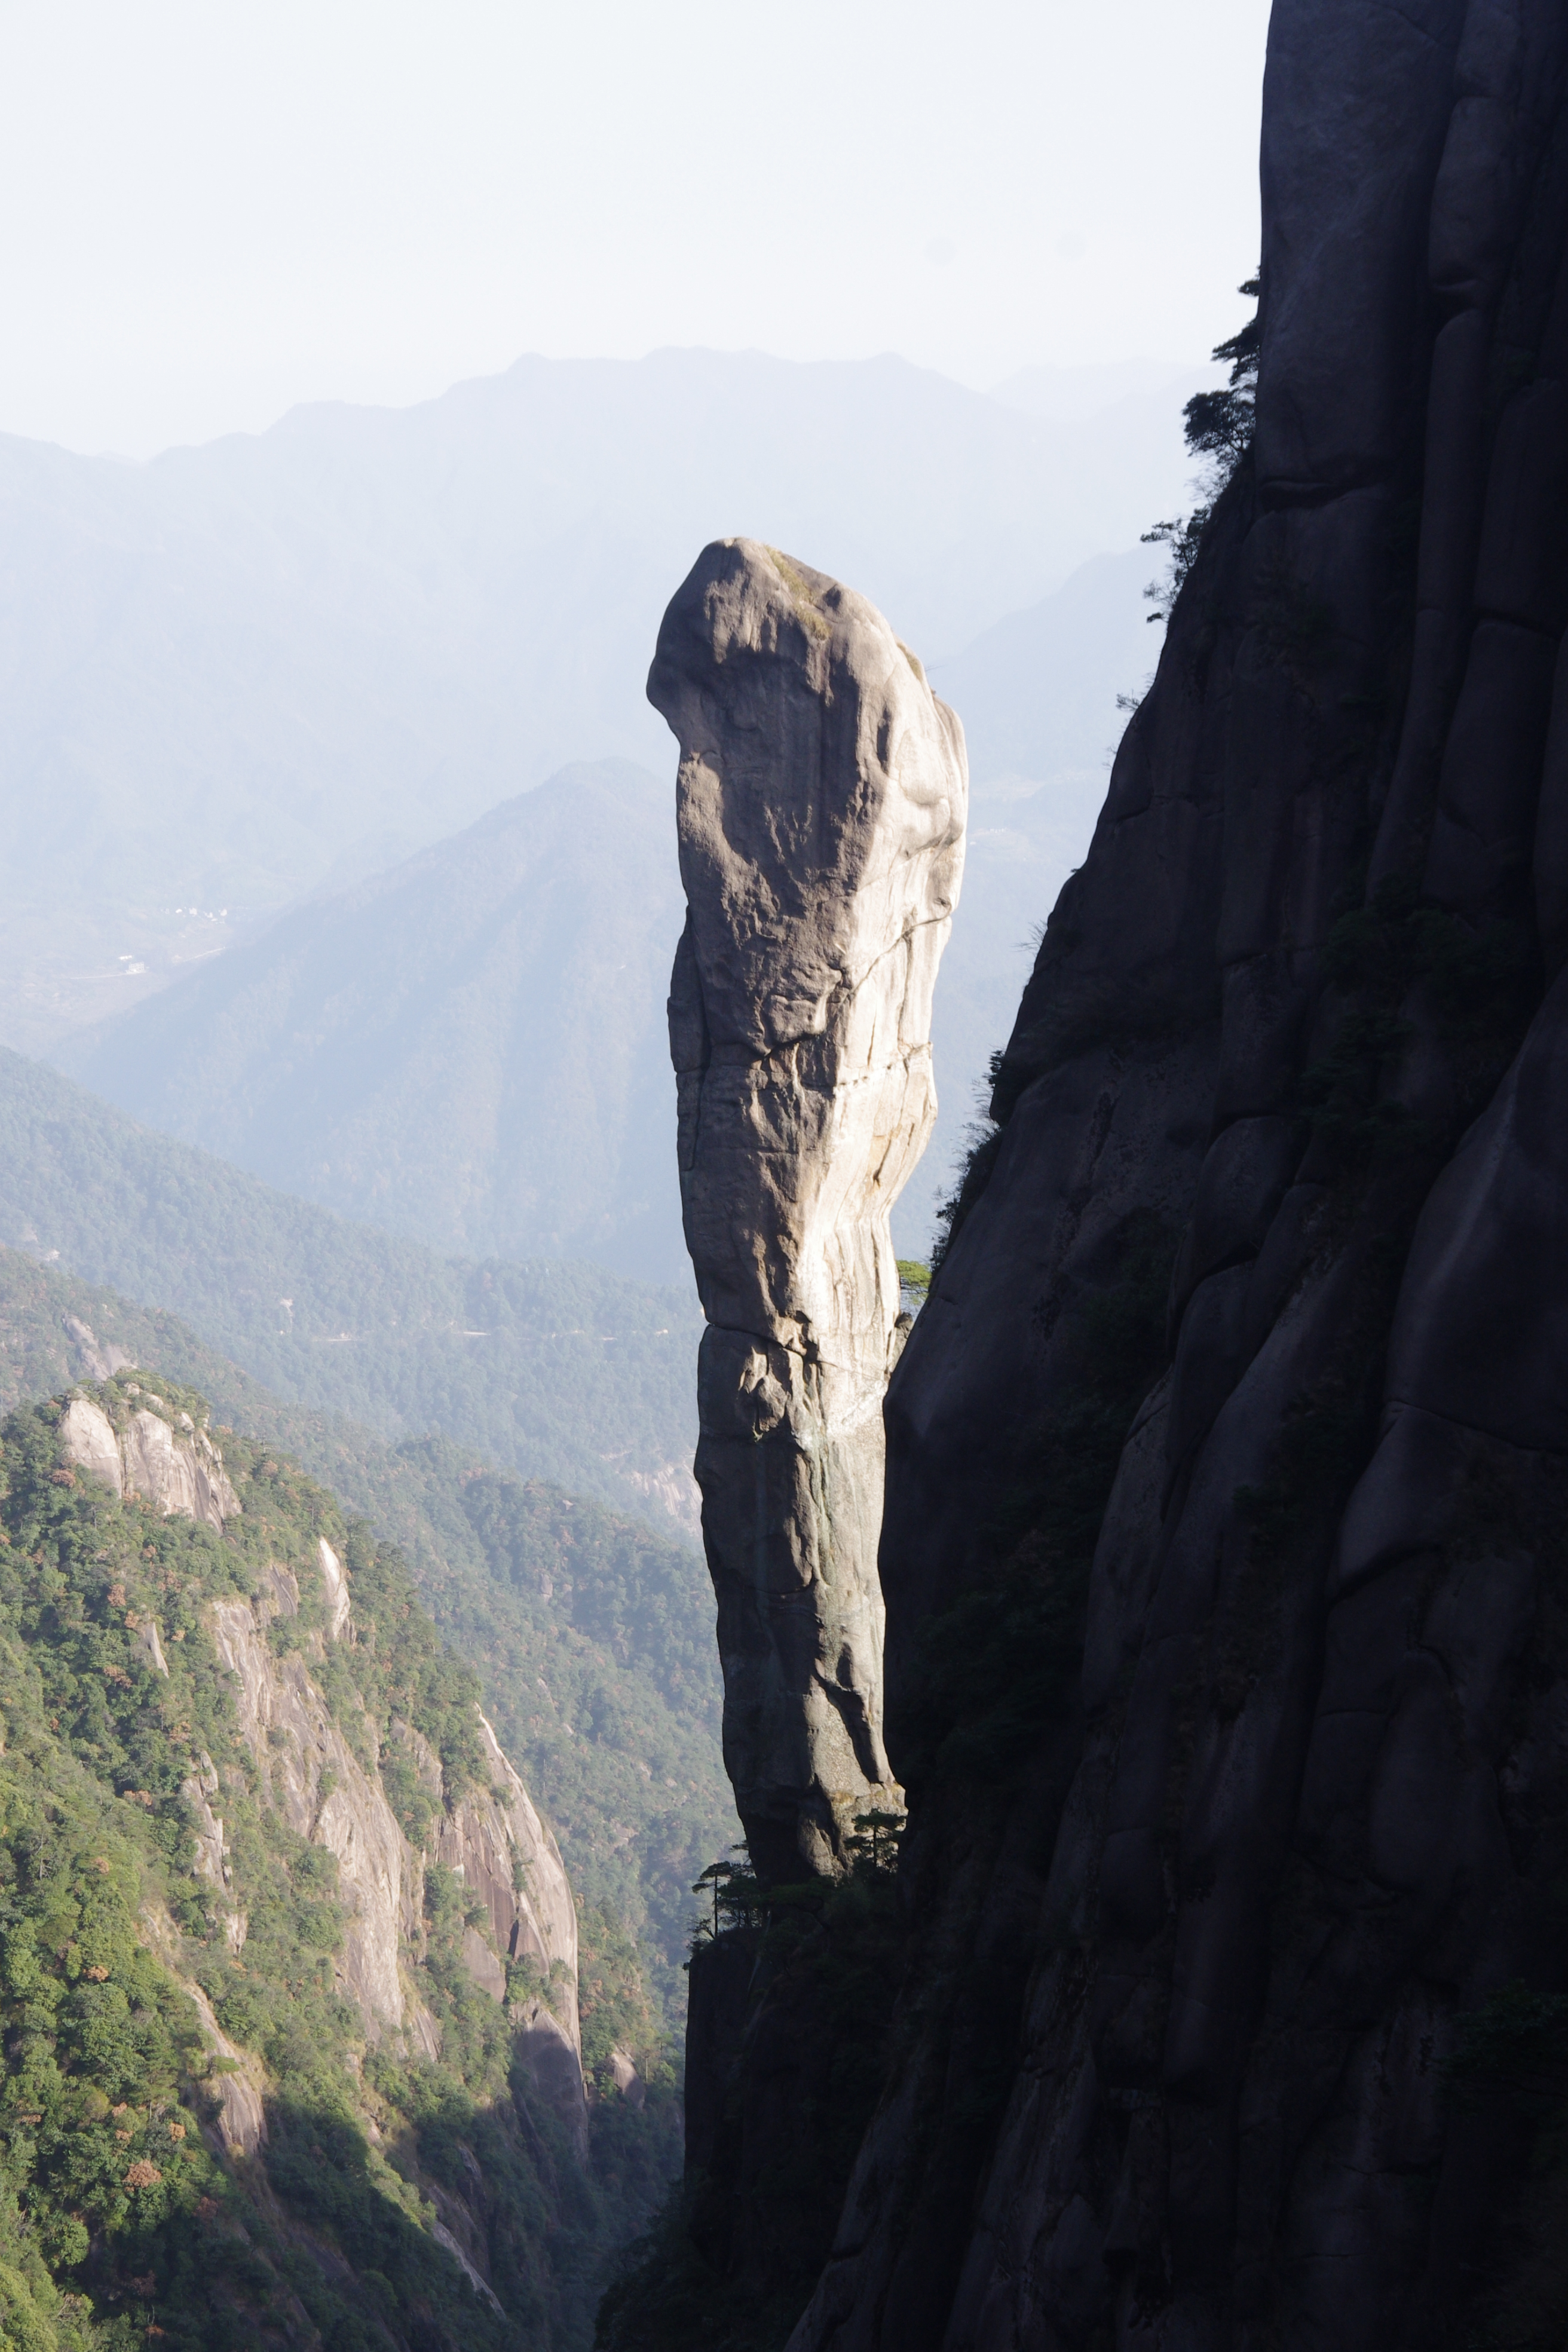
(821, 802)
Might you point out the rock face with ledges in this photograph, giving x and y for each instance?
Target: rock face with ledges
(494, 1840)
(821, 803)
(310, 1774)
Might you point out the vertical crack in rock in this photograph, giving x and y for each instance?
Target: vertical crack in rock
(821, 803)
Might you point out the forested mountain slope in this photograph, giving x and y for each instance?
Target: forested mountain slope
(561, 1372)
(288, 1962)
(592, 1635)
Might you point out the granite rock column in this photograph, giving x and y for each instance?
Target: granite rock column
(821, 802)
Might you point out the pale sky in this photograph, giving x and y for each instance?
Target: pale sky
(213, 209)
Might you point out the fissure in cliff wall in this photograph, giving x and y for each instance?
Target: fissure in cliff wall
(821, 803)
(1233, 1720)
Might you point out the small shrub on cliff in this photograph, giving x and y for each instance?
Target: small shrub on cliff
(984, 1143)
(732, 2260)
(1217, 427)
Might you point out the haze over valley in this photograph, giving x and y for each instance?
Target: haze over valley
(584, 610)
(259, 673)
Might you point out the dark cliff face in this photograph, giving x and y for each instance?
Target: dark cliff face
(1224, 1554)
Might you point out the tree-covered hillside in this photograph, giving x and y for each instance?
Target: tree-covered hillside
(592, 1635)
(201, 2138)
(557, 1370)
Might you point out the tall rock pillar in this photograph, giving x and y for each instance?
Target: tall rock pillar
(821, 801)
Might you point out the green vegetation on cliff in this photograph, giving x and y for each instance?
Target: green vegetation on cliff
(791, 1999)
(591, 1633)
(124, 2209)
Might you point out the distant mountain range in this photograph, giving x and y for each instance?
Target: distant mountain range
(470, 1047)
(241, 672)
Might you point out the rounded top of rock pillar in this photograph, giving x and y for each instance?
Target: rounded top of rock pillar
(823, 788)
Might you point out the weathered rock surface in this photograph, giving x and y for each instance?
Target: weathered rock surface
(97, 1359)
(1228, 1669)
(176, 1468)
(339, 1606)
(495, 1841)
(821, 804)
(240, 2126)
(310, 1775)
(212, 1847)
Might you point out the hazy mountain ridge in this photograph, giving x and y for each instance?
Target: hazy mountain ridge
(468, 1048)
(229, 666)
(558, 1370)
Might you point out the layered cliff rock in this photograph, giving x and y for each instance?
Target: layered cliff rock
(821, 801)
(1222, 1557)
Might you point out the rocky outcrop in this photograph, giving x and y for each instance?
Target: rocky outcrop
(490, 1837)
(198, 1789)
(675, 1490)
(310, 1774)
(1234, 1746)
(170, 1463)
(821, 803)
(95, 1360)
(493, 1839)
(336, 1586)
(240, 2124)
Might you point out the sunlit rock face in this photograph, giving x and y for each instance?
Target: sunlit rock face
(176, 1468)
(821, 804)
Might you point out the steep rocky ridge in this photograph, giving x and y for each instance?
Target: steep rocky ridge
(820, 805)
(492, 1839)
(1222, 1552)
(406, 617)
(316, 1994)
